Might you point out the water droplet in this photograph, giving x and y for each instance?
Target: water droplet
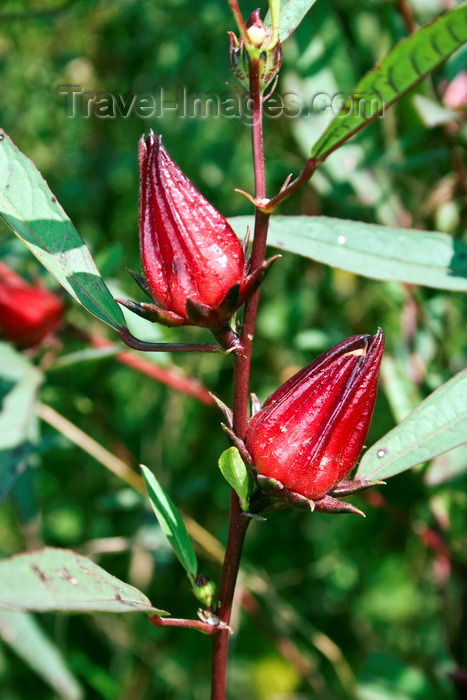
(2, 136)
(341, 240)
(382, 453)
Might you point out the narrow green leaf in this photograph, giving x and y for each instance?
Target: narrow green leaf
(438, 424)
(33, 213)
(405, 66)
(379, 252)
(19, 382)
(236, 474)
(171, 523)
(27, 639)
(63, 581)
(291, 14)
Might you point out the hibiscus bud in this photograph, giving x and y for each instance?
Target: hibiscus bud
(257, 33)
(310, 432)
(263, 45)
(194, 264)
(27, 313)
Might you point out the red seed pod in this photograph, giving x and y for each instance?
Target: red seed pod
(27, 313)
(188, 250)
(309, 433)
(194, 264)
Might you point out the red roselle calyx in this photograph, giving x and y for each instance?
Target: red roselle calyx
(309, 433)
(193, 263)
(27, 313)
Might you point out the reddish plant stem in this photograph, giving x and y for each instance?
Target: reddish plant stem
(234, 8)
(198, 625)
(406, 14)
(307, 172)
(185, 385)
(220, 640)
(242, 361)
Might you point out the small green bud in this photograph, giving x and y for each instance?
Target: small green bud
(204, 589)
(257, 35)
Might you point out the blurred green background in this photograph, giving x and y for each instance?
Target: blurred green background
(333, 607)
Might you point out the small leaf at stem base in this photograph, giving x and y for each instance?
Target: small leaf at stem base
(236, 474)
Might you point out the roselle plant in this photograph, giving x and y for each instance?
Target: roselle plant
(27, 313)
(297, 449)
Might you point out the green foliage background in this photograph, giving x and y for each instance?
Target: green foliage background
(340, 607)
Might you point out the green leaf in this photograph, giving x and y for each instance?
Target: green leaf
(380, 252)
(171, 523)
(63, 581)
(236, 474)
(27, 639)
(438, 424)
(291, 14)
(405, 66)
(19, 382)
(31, 210)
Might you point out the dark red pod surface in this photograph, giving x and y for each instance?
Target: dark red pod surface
(27, 313)
(309, 433)
(188, 250)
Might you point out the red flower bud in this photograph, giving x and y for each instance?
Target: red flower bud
(310, 432)
(191, 257)
(27, 313)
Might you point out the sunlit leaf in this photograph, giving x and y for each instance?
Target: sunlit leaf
(63, 581)
(379, 252)
(171, 523)
(438, 424)
(405, 66)
(27, 639)
(33, 213)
